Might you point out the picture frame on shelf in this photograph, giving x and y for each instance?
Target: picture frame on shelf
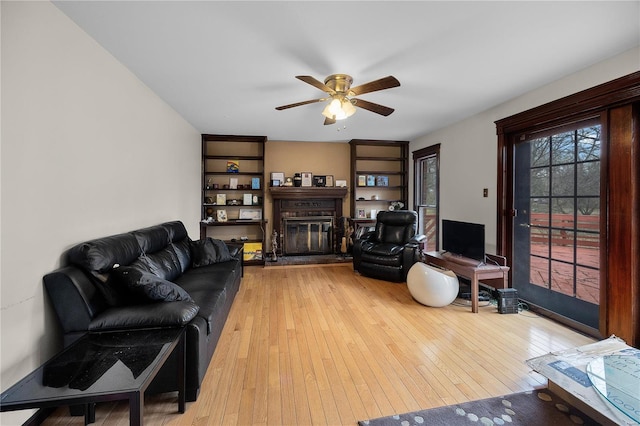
(342, 183)
(307, 178)
(319, 180)
(275, 182)
(221, 215)
(329, 180)
(371, 180)
(277, 176)
(233, 166)
(362, 214)
(233, 183)
(374, 213)
(250, 214)
(362, 180)
(382, 180)
(255, 183)
(247, 199)
(221, 199)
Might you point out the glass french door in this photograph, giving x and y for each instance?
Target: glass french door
(426, 195)
(556, 235)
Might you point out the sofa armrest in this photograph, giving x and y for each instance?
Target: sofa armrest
(162, 314)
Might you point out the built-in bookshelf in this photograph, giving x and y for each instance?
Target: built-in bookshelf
(379, 176)
(233, 188)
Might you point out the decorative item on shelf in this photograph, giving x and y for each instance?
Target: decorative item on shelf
(274, 246)
(255, 183)
(209, 184)
(208, 200)
(215, 186)
(275, 182)
(221, 199)
(297, 179)
(371, 180)
(208, 220)
(382, 181)
(209, 211)
(233, 183)
(374, 197)
(256, 200)
(233, 166)
(252, 251)
(342, 183)
(319, 180)
(221, 215)
(247, 199)
(362, 214)
(396, 205)
(362, 180)
(329, 180)
(373, 214)
(289, 182)
(361, 199)
(250, 214)
(225, 186)
(307, 179)
(241, 186)
(234, 202)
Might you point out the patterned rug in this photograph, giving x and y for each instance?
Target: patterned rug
(538, 407)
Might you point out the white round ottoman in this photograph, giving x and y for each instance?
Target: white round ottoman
(432, 286)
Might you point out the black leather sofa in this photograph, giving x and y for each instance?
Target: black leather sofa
(389, 251)
(148, 278)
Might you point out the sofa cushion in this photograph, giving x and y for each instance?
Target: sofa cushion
(145, 286)
(101, 254)
(209, 251)
(153, 315)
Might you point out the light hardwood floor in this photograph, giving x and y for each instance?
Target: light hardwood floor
(323, 345)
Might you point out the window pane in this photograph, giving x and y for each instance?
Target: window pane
(588, 178)
(589, 143)
(540, 182)
(562, 209)
(588, 284)
(563, 148)
(539, 271)
(562, 179)
(540, 152)
(562, 278)
(562, 245)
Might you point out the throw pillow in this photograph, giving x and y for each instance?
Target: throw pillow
(209, 251)
(146, 287)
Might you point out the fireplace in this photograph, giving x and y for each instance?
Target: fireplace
(305, 218)
(307, 235)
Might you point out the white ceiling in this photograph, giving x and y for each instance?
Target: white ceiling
(225, 66)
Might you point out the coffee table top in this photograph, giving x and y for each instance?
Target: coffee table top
(104, 363)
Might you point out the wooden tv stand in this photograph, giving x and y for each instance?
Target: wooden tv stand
(494, 275)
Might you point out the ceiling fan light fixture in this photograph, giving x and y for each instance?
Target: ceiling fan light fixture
(339, 109)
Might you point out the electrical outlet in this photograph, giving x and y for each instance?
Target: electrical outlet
(485, 192)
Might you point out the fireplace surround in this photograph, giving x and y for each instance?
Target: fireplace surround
(311, 213)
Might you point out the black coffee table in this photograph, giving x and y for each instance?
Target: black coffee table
(106, 366)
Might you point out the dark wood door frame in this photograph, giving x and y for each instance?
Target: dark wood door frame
(617, 105)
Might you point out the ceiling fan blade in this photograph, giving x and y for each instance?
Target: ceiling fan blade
(280, 108)
(315, 83)
(377, 108)
(328, 121)
(374, 86)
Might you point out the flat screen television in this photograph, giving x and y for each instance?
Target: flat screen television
(463, 239)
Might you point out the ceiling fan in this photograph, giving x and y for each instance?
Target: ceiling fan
(342, 96)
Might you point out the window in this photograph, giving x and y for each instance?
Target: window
(426, 165)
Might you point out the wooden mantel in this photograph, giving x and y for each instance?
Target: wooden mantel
(303, 193)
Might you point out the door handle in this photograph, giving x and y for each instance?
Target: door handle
(525, 225)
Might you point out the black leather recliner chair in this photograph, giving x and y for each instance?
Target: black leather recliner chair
(389, 252)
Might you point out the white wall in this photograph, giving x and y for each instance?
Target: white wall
(468, 151)
(87, 151)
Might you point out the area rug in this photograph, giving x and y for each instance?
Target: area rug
(538, 407)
